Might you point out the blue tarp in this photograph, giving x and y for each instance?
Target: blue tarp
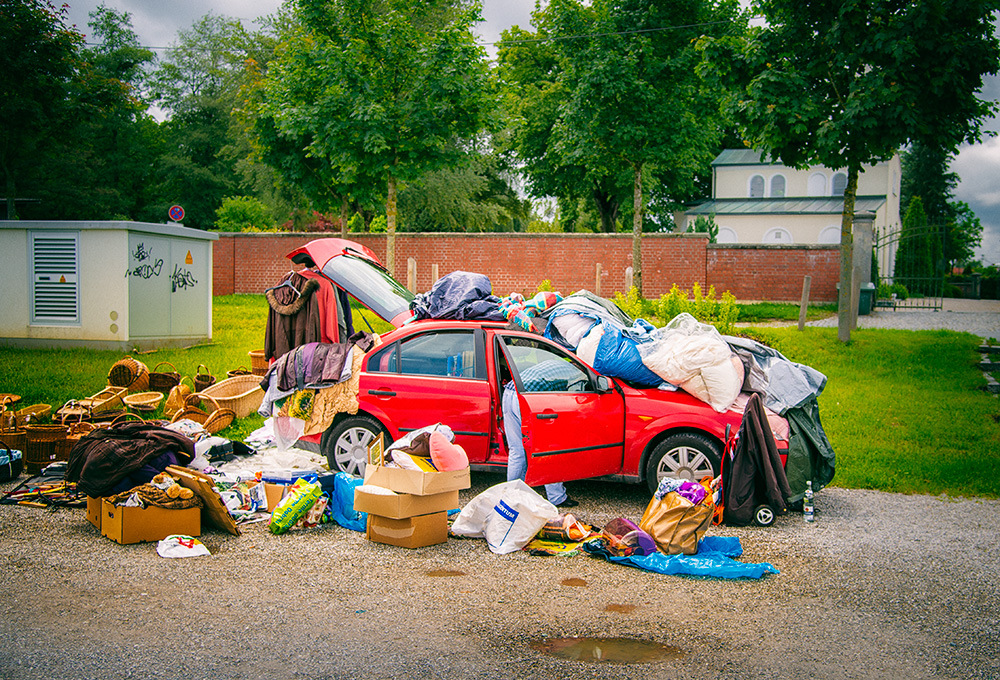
(618, 357)
(714, 559)
(342, 502)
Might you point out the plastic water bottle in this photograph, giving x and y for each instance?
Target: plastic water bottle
(808, 514)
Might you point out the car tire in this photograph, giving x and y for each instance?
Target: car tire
(345, 444)
(685, 455)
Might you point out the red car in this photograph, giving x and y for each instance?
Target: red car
(579, 424)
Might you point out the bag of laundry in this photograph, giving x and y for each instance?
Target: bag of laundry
(676, 523)
(507, 515)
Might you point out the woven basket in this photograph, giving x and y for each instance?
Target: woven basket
(32, 414)
(203, 380)
(129, 373)
(15, 462)
(163, 381)
(144, 401)
(40, 448)
(13, 434)
(214, 422)
(74, 433)
(242, 370)
(258, 362)
(242, 393)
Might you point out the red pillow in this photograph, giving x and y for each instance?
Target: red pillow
(445, 455)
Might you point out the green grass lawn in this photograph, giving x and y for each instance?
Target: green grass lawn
(902, 409)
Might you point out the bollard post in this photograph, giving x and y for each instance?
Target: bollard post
(628, 280)
(804, 304)
(597, 281)
(434, 273)
(411, 274)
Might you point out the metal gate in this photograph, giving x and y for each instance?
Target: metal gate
(910, 265)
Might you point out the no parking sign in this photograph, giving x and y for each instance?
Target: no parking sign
(176, 213)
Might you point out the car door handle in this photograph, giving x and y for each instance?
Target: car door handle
(382, 393)
(547, 416)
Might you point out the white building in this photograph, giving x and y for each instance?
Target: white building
(759, 201)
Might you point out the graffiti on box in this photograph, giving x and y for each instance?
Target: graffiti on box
(144, 267)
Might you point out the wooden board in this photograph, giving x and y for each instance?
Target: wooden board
(215, 508)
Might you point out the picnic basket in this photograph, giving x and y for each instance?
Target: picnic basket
(107, 400)
(74, 432)
(203, 380)
(163, 381)
(129, 373)
(213, 421)
(11, 462)
(258, 362)
(11, 431)
(40, 445)
(242, 370)
(241, 393)
(33, 413)
(177, 397)
(144, 401)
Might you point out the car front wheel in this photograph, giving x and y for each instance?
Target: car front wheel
(684, 456)
(345, 444)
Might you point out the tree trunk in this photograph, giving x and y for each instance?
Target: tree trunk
(344, 207)
(637, 230)
(390, 226)
(607, 208)
(847, 256)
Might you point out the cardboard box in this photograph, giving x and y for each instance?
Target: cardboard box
(274, 494)
(412, 532)
(134, 525)
(402, 505)
(416, 482)
(94, 506)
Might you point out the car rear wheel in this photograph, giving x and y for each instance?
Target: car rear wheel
(345, 444)
(684, 456)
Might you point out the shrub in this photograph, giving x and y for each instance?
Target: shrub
(242, 213)
(885, 291)
(379, 225)
(722, 312)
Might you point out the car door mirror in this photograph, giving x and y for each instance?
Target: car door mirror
(603, 383)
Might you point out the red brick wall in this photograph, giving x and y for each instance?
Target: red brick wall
(249, 263)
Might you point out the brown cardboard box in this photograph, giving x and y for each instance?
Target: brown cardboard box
(274, 493)
(94, 511)
(401, 505)
(417, 482)
(135, 525)
(412, 532)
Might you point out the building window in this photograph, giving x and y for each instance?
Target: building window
(777, 235)
(817, 184)
(726, 235)
(757, 186)
(778, 186)
(839, 184)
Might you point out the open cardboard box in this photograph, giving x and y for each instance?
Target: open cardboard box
(401, 505)
(134, 525)
(411, 532)
(94, 511)
(417, 482)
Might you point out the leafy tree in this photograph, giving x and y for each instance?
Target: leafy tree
(38, 59)
(847, 84)
(380, 89)
(632, 104)
(242, 213)
(705, 225)
(914, 257)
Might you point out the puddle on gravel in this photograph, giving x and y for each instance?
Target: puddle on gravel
(607, 650)
(445, 572)
(576, 582)
(620, 608)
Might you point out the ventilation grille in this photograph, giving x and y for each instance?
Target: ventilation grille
(55, 295)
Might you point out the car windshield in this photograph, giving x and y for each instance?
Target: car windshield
(372, 286)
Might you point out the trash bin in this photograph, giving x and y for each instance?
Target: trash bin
(866, 298)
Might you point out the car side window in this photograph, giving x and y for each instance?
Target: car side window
(447, 354)
(544, 368)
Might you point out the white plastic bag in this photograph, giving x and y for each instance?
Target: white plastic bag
(507, 515)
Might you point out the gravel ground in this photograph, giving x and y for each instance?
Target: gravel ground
(880, 586)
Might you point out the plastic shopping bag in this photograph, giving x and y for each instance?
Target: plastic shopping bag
(507, 515)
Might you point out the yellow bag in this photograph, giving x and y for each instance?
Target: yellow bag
(177, 398)
(676, 524)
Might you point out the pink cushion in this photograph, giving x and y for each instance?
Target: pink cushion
(447, 456)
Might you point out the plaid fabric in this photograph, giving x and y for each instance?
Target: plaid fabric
(552, 375)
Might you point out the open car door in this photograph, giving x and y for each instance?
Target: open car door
(356, 269)
(571, 429)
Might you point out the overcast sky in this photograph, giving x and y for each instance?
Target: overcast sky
(157, 21)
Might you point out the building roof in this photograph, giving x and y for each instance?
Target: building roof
(742, 157)
(785, 206)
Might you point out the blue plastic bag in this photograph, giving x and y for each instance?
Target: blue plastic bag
(342, 505)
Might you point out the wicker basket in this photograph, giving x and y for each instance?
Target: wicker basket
(40, 448)
(33, 413)
(242, 370)
(203, 380)
(74, 433)
(241, 393)
(258, 362)
(144, 401)
(129, 373)
(11, 432)
(214, 422)
(163, 381)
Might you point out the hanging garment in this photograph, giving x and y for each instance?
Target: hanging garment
(810, 455)
(753, 475)
(331, 311)
(293, 317)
